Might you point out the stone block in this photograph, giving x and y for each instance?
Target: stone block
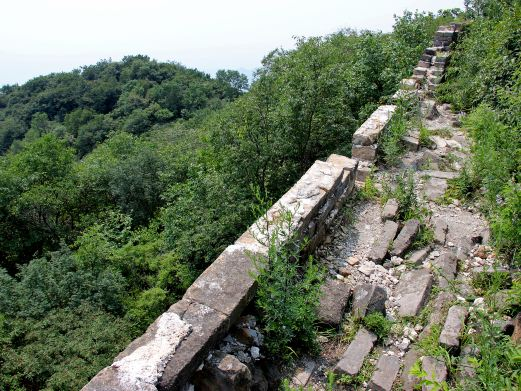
(409, 84)
(412, 143)
(436, 370)
(418, 256)
(208, 328)
(440, 231)
(333, 300)
(408, 381)
(227, 284)
(368, 298)
(368, 133)
(187, 329)
(363, 171)
(353, 358)
(364, 152)
(446, 267)
(381, 246)
(405, 237)
(435, 188)
(223, 372)
(413, 291)
(390, 210)
(440, 305)
(350, 167)
(303, 375)
(453, 327)
(419, 71)
(383, 378)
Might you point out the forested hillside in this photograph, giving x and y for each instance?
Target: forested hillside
(122, 181)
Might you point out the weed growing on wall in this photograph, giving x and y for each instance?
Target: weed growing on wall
(288, 290)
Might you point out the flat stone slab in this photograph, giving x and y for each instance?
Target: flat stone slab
(364, 152)
(454, 324)
(368, 133)
(439, 174)
(368, 298)
(405, 237)
(440, 306)
(440, 230)
(353, 358)
(413, 290)
(187, 329)
(227, 284)
(381, 246)
(333, 300)
(418, 256)
(303, 375)
(412, 143)
(435, 188)
(446, 266)
(436, 370)
(408, 381)
(390, 210)
(386, 370)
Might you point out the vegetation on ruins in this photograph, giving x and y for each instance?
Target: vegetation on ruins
(121, 181)
(484, 79)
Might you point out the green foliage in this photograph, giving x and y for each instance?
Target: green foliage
(424, 238)
(120, 182)
(427, 379)
(377, 323)
(60, 351)
(287, 292)
(425, 135)
(406, 115)
(498, 364)
(369, 190)
(402, 189)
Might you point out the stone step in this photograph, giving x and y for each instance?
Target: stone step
(439, 174)
(333, 300)
(390, 210)
(408, 381)
(436, 371)
(368, 298)
(355, 354)
(453, 327)
(418, 256)
(386, 371)
(405, 237)
(381, 246)
(303, 375)
(412, 143)
(413, 291)
(440, 305)
(440, 231)
(435, 188)
(446, 266)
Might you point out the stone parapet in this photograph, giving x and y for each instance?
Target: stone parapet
(175, 345)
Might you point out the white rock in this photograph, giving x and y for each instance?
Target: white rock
(255, 352)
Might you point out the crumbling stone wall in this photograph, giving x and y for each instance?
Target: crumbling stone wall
(175, 345)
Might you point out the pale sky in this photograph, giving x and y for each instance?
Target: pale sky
(43, 36)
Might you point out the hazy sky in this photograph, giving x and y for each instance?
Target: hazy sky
(43, 36)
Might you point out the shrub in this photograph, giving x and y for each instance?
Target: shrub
(287, 293)
(378, 324)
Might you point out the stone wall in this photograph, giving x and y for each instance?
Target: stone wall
(175, 345)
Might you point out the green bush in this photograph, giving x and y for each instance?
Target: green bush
(287, 293)
(378, 324)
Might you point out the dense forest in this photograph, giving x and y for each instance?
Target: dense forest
(121, 181)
